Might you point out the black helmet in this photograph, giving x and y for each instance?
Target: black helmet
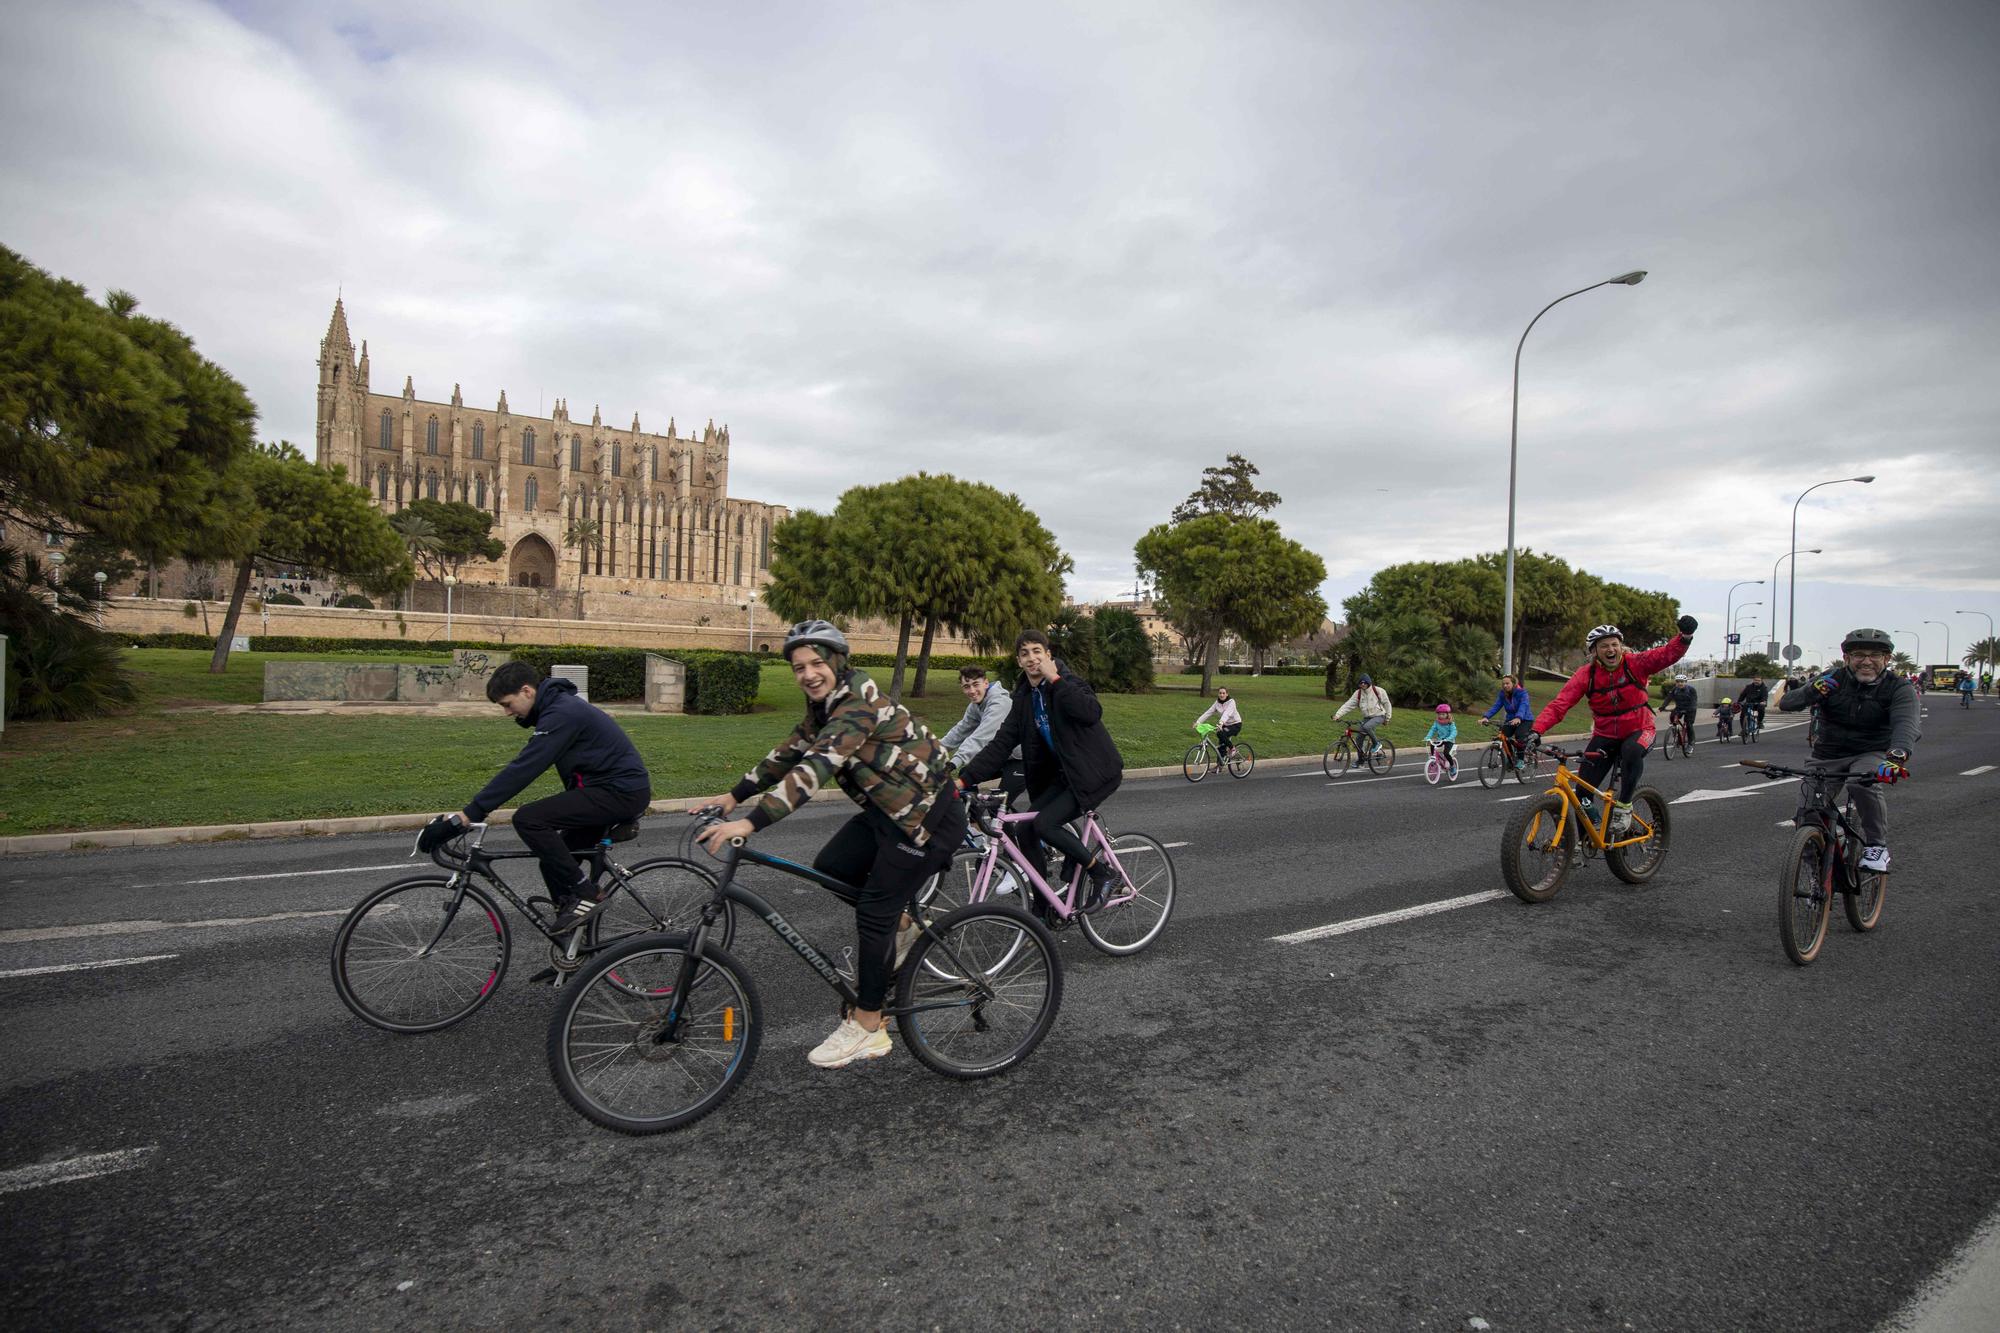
(1867, 638)
(821, 634)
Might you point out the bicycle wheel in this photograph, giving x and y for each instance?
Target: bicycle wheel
(1242, 761)
(1538, 850)
(414, 957)
(1337, 759)
(1382, 758)
(605, 1048)
(1687, 742)
(1136, 913)
(1433, 770)
(1492, 766)
(1864, 905)
(990, 998)
(662, 895)
(1803, 908)
(1194, 765)
(1636, 862)
(952, 888)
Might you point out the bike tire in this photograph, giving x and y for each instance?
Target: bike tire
(377, 970)
(1334, 763)
(673, 891)
(1639, 862)
(1864, 905)
(1433, 770)
(1243, 761)
(600, 1047)
(1687, 744)
(1020, 976)
(1538, 827)
(1382, 758)
(1803, 908)
(1194, 765)
(1126, 928)
(953, 888)
(1492, 766)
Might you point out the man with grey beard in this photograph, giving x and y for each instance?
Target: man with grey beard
(1867, 724)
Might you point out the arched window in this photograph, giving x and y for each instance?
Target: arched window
(382, 479)
(388, 430)
(576, 453)
(739, 525)
(479, 490)
(653, 464)
(617, 459)
(528, 447)
(431, 485)
(479, 439)
(764, 556)
(528, 495)
(431, 436)
(625, 510)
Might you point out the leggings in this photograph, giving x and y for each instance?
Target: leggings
(1226, 736)
(873, 854)
(1054, 809)
(1603, 751)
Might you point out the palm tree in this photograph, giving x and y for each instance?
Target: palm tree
(586, 535)
(1903, 662)
(420, 538)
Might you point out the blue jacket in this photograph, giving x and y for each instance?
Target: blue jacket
(1516, 703)
(585, 745)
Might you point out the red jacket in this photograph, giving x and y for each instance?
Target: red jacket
(1619, 703)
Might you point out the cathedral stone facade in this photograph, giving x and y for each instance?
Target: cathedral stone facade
(661, 502)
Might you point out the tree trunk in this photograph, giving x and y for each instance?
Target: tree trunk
(924, 656)
(581, 558)
(1209, 663)
(902, 655)
(220, 661)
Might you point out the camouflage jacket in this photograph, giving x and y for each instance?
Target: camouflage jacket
(863, 741)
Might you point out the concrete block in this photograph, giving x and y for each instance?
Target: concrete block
(578, 676)
(666, 685)
(439, 684)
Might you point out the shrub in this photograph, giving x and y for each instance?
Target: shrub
(282, 599)
(720, 683)
(616, 674)
(62, 669)
(717, 682)
(354, 601)
(1272, 671)
(1124, 658)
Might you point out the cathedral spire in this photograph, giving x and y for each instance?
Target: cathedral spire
(336, 328)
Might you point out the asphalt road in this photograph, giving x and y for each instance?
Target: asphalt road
(1621, 1109)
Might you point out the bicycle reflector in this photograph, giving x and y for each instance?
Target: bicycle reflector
(729, 1022)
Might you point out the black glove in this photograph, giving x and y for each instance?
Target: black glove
(1687, 625)
(438, 832)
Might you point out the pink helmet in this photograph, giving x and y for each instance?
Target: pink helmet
(1444, 708)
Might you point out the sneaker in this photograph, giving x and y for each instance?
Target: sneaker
(1621, 818)
(850, 1042)
(906, 938)
(1101, 878)
(576, 911)
(1875, 860)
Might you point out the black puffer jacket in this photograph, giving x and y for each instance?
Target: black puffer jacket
(1859, 719)
(1084, 755)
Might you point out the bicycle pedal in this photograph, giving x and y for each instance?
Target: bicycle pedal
(546, 974)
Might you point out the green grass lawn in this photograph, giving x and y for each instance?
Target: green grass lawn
(148, 768)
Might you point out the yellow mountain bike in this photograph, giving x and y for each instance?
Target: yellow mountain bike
(1572, 820)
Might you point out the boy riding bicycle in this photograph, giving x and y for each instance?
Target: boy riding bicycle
(1867, 723)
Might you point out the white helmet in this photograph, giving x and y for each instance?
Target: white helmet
(1602, 632)
(1680, 677)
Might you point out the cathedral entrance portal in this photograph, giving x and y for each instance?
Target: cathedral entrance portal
(533, 563)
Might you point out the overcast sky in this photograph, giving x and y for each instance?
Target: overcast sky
(1083, 251)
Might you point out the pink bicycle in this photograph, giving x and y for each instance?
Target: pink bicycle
(1141, 897)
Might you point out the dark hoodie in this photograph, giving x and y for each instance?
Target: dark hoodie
(1082, 754)
(585, 745)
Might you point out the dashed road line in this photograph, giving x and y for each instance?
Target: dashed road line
(1975, 772)
(1713, 794)
(1389, 918)
(85, 967)
(74, 1168)
(34, 934)
(281, 874)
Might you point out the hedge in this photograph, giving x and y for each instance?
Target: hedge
(617, 675)
(1267, 671)
(939, 661)
(717, 682)
(296, 643)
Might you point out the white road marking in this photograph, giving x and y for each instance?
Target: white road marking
(1738, 764)
(1173, 844)
(1962, 1294)
(75, 1168)
(281, 874)
(1711, 794)
(85, 967)
(29, 936)
(1975, 772)
(1529, 797)
(1389, 918)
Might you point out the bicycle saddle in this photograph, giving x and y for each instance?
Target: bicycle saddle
(621, 832)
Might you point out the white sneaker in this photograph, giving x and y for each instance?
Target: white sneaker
(1621, 818)
(1875, 859)
(906, 937)
(850, 1042)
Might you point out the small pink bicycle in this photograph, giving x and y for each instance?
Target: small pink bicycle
(1438, 768)
(1132, 917)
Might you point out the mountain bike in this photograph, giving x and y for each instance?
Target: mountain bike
(1437, 767)
(1545, 837)
(1134, 912)
(1823, 860)
(420, 954)
(1344, 753)
(1679, 735)
(1204, 757)
(662, 1029)
(1503, 757)
(1752, 728)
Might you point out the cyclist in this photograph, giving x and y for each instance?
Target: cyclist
(1517, 716)
(1375, 708)
(1228, 722)
(1615, 682)
(1071, 763)
(1444, 732)
(1755, 695)
(1681, 703)
(988, 708)
(1725, 717)
(604, 783)
(910, 823)
(1965, 686)
(1867, 717)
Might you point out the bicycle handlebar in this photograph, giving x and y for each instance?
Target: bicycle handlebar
(1771, 770)
(442, 853)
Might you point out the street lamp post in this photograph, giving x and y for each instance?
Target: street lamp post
(450, 582)
(1730, 620)
(1947, 643)
(56, 559)
(1774, 579)
(1989, 635)
(1735, 625)
(1632, 279)
(1920, 646)
(1792, 589)
(100, 576)
(750, 622)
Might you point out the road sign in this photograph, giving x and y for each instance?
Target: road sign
(1735, 638)
(1793, 652)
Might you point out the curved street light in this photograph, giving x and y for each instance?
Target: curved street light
(1632, 279)
(1989, 634)
(1730, 620)
(1774, 576)
(1792, 590)
(1920, 644)
(1947, 641)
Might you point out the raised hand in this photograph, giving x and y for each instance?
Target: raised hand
(1687, 625)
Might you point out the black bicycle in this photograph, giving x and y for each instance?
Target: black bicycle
(1753, 725)
(659, 1031)
(1823, 860)
(423, 953)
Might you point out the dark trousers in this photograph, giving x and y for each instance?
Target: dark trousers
(1054, 809)
(1603, 751)
(1226, 736)
(557, 827)
(886, 869)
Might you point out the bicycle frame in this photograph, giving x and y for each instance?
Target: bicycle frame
(1565, 784)
(480, 863)
(1063, 903)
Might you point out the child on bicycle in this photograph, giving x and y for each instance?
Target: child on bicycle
(911, 818)
(1444, 734)
(1725, 718)
(1616, 682)
(1228, 722)
(604, 783)
(1867, 717)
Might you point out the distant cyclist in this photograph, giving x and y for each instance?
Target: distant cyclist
(1868, 719)
(1681, 703)
(1375, 708)
(1755, 696)
(1965, 688)
(1517, 716)
(1615, 682)
(1228, 722)
(1725, 718)
(1444, 734)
